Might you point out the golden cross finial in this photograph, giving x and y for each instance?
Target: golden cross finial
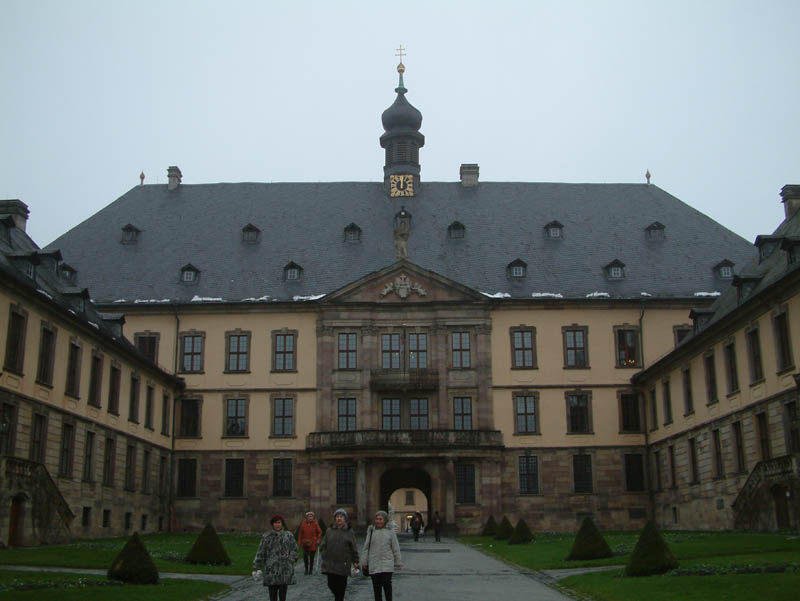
(400, 53)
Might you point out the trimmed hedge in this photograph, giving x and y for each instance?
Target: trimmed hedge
(521, 534)
(651, 554)
(134, 564)
(589, 543)
(490, 529)
(208, 548)
(504, 530)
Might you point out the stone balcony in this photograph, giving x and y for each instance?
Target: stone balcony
(404, 379)
(405, 439)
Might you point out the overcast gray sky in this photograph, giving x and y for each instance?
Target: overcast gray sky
(704, 94)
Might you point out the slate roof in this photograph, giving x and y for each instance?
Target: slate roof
(304, 223)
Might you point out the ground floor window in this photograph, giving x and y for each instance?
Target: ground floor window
(582, 473)
(528, 475)
(187, 478)
(345, 485)
(234, 477)
(465, 483)
(282, 477)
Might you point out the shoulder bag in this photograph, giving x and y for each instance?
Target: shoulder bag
(365, 567)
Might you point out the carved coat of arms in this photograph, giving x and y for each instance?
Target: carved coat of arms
(402, 286)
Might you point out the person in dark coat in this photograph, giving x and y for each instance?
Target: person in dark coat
(417, 524)
(339, 554)
(438, 522)
(276, 556)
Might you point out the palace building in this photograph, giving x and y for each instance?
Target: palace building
(490, 347)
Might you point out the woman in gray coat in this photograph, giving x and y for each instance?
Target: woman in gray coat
(276, 556)
(339, 552)
(381, 555)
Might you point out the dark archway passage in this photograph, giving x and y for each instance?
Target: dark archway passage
(393, 479)
(781, 507)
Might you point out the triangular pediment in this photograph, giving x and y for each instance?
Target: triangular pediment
(404, 282)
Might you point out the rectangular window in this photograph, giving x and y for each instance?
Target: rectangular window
(462, 413)
(688, 398)
(347, 415)
(133, 404)
(578, 414)
(147, 344)
(390, 351)
(582, 473)
(731, 373)
(86, 517)
(38, 438)
(792, 427)
(163, 476)
(95, 380)
(15, 341)
(523, 348)
(409, 497)
(418, 351)
(653, 410)
(148, 407)
(461, 356)
(235, 417)
(67, 451)
(146, 468)
(527, 412)
(345, 485)
(88, 457)
(192, 353)
(390, 414)
(754, 356)
(738, 444)
(418, 414)
(165, 414)
(634, 472)
(528, 475)
(187, 478)
(465, 483)
(348, 353)
(238, 350)
(657, 471)
(711, 379)
(719, 466)
(681, 334)
(627, 347)
(73, 370)
(763, 435)
(694, 472)
(106, 518)
(114, 379)
(109, 461)
(8, 418)
(128, 520)
(189, 418)
(783, 345)
(673, 479)
(234, 477)
(283, 417)
(130, 467)
(47, 354)
(282, 477)
(629, 411)
(576, 355)
(667, 401)
(285, 352)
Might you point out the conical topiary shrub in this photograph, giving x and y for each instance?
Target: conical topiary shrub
(134, 564)
(521, 534)
(208, 549)
(490, 529)
(589, 542)
(504, 530)
(651, 554)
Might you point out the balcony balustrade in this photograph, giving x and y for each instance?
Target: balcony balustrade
(404, 379)
(400, 439)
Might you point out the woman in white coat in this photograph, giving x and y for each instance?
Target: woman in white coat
(381, 555)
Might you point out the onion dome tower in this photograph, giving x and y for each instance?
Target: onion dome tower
(402, 142)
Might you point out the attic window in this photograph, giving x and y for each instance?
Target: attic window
(352, 233)
(724, 270)
(615, 270)
(28, 269)
(554, 230)
(517, 269)
(655, 231)
(250, 234)
(766, 246)
(792, 247)
(189, 274)
(745, 286)
(130, 234)
(456, 230)
(68, 273)
(292, 272)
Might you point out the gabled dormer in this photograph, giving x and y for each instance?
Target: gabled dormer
(724, 270)
(6, 225)
(189, 274)
(77, 298)
(130, 234)
(292, 272)
(517, 269)
(791, 246)
(554, 230)
(456, 231)
(700, 318)
(656, 231)
(615, 270)
(69, 273)
(766, 246)
(745, 285)
(352, 233)
(250, 234)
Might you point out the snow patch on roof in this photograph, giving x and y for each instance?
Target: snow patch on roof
(497, 295)
(94, 325)
(43, 293)
(145, 300)
(546, 295)
(311, 297)
(598, 295)
(252, 299)
(707, 293)
(645, 294)
(205, 299)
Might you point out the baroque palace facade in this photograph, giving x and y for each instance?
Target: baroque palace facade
(316, 345)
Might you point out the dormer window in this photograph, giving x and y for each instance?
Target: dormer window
(554, 230)
(517, 269)
(130, 234)
(456, 230)
(615, 270)
(189, 274)
(655, 231)
(29, 270)
(352, 233)
(724, 270)
(700, 318)
(5, 229)
(250, 234)
(292, 272)
(745, 286)
(792, 247)
(68, 273)
(766, 246)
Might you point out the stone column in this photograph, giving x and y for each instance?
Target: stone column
(361, 490)
(449, 497)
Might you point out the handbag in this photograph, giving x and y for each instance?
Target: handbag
(365, 567)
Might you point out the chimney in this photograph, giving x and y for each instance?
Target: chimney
(18, 211)
(173, 177)
(791, 199)
(469, 175)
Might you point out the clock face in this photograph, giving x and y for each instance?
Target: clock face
(401, 185)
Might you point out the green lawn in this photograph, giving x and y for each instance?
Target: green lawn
(167, 550)
(76, 587)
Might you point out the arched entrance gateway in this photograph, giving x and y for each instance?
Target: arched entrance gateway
(406, 478)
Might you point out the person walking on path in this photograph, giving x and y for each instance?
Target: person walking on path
(417, 524)
(309, 538)
(381, 556)
(437, 526)
(339, 553)
(276, 555)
